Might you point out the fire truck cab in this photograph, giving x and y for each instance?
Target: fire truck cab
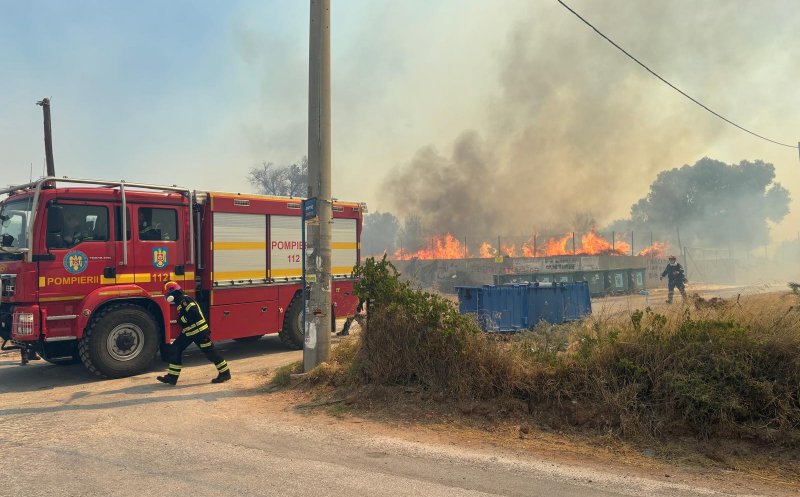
(83, 264)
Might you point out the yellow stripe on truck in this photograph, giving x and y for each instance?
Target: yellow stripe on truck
(240, 275)
(344, 245)
(61, 299)
(286, 273)
(240, 245)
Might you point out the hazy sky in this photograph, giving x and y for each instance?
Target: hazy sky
(196, 93)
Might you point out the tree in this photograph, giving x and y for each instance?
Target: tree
(286, 181)
(379, 233)
(297, 178)
(714, 204)
(411, 234)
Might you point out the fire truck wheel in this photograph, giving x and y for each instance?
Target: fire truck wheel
(292, 333)
(120, 341)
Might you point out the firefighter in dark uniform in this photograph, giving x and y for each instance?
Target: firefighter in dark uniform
(194, 330)
(676, 278)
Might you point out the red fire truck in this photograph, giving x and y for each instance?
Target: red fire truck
(81, 281)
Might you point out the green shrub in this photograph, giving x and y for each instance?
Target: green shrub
(729, 371)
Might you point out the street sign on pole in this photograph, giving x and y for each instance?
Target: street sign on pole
(310, 209)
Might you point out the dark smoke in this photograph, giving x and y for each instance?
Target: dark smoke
(575, 128)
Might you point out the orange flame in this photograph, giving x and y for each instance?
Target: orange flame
(487, 251)
(528, 248)
(508, 250)
(446, 247)
(591, 243)
(657, 250)
(594, 244)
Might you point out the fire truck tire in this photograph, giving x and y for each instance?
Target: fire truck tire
(291, 334)
(120, 341)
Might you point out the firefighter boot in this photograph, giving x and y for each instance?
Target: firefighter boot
(169, 379)
(669, 297)
(222, 377)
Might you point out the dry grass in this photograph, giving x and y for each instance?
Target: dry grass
(728, 371)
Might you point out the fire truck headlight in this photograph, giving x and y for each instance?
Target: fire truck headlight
(23, 324)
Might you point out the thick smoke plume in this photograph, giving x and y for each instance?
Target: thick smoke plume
(575, 128)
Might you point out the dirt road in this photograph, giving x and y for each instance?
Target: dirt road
(64, 433)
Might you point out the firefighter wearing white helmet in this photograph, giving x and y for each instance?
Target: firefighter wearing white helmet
(194, 330)
(676, 277)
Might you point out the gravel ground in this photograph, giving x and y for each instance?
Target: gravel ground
(64, 433)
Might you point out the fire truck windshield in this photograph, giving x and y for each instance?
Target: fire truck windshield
(14, 218)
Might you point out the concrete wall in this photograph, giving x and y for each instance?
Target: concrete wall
(444, 274)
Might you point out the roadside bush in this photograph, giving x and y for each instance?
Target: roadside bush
(418, 338)
(714, 374)
(732, 371)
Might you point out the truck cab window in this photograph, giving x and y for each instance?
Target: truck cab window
(68, 225)
(158, 224)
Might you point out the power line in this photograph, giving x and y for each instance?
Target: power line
(670, 84)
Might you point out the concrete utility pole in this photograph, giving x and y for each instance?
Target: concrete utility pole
(317, 347)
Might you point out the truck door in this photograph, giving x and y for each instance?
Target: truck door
(122, 271)
(79, 247)
(159, 253)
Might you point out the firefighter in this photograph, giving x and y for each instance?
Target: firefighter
(73, 232)
(194, 329)
(675, 278)
(28, 354)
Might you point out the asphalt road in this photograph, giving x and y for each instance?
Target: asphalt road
(64, 433)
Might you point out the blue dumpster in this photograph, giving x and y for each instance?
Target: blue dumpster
(498, 307)
(519, 306)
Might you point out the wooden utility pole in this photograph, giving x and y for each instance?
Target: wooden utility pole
(48, 136)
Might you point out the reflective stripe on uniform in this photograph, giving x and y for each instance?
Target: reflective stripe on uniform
(195, 325)
(195, 332)
(221, 367)
(205, 345)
